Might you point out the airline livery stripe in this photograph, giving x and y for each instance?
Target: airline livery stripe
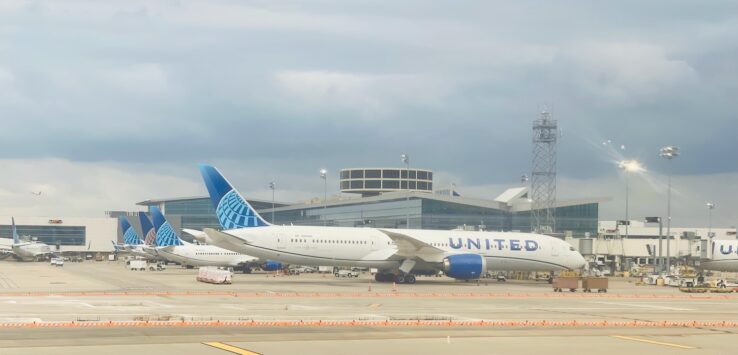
(231, 348)
(361, 260)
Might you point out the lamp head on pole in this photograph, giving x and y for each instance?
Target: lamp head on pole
(323, 174)
(272, 184)
(710, 206)
(669, 152)
(405, 158)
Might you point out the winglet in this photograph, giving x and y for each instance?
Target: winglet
(165, 235)
(232, 209)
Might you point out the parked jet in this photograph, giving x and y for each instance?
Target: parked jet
(172, 248)
(132, 243)
(399, 254)
(724, 256)
(25, 251)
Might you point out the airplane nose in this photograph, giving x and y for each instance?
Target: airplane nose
(580, 262)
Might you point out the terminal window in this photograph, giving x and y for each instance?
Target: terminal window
(51, 235)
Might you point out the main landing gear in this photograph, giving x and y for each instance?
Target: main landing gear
(396, 278)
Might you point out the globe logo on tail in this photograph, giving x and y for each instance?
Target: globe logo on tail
(233, 212)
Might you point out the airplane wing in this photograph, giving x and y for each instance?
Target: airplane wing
(224, 240)
(410, 247)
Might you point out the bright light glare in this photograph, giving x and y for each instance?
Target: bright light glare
(631, 166)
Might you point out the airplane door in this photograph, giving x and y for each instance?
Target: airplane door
(374, 241)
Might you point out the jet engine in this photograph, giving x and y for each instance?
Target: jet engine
(464, 266)
(271, 265)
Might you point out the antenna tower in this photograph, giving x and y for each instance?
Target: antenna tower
(543, 176)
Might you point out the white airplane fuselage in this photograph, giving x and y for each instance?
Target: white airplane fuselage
(30, 250)
(724, 256)
(371, 247)
(203, 255)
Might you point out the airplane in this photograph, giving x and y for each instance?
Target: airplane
(132, 243)
(172, 248)
(26, 251)
(398, 254)
(724, 256)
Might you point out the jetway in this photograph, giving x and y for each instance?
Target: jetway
(616, 253)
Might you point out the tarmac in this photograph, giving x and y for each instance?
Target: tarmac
(95, 307)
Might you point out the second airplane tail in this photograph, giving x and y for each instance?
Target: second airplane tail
(165, 235)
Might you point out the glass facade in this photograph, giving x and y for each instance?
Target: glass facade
(421, 212)
(51, 234)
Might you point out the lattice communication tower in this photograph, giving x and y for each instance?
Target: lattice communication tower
(543, 176)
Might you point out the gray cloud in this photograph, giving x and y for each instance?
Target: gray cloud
(282, 88)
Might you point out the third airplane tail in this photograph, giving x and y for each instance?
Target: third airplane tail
(148, 230)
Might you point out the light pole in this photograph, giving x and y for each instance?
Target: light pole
(406, 159)
(710, 207)
(273, 186)
(324, 176)
(628, 166)
(669, 153)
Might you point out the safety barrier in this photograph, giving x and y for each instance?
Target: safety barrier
(385, 323)
(712, 296)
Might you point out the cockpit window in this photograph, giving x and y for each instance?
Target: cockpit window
(572, 249)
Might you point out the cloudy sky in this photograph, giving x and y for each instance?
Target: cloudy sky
(105, 103)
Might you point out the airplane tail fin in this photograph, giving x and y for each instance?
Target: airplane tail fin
(147, 229)
(231, 208)
(165, 235)
(116, 248)
(16, 237)
(130, 236)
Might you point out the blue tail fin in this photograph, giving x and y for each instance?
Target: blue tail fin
(165, 235)
(232, 210)
(130, 237)
(147, 229)
(16, 237)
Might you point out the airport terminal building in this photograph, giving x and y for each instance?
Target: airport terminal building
(396, 198)
(72, 234)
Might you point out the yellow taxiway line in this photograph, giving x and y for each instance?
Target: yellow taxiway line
(230, 348)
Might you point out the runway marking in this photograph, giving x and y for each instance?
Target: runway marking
(646, 306)
(231, 348)
(654, 342)
(375, 305)
(552, 295)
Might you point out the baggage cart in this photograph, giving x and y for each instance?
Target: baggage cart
(595, 283)
(564, 283)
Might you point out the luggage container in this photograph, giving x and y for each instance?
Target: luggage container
(563, 283)
(214, 275)
(595, 283)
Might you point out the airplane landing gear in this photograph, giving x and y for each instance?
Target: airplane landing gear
(397, 278)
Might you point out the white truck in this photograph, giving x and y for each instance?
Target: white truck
(137, 265)
(346, 273)
(214, 275)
